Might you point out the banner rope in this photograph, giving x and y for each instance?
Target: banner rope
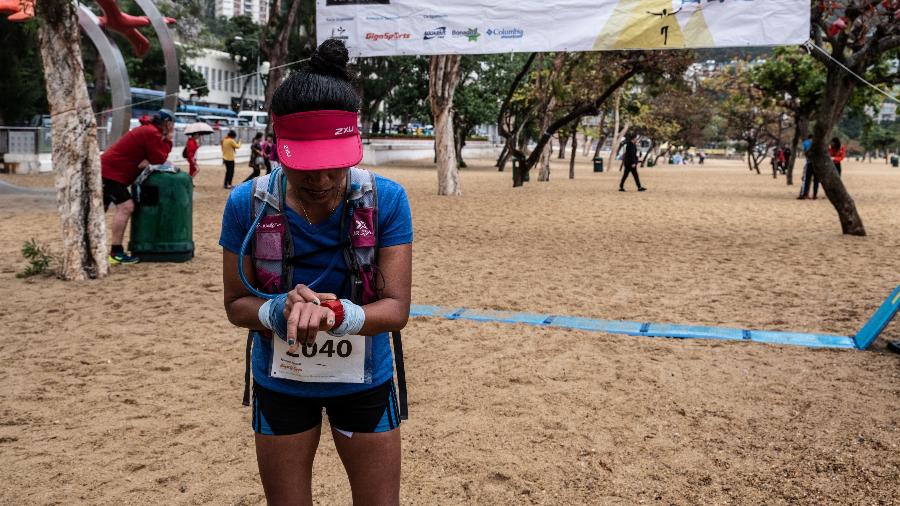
(809, 45)
(206, 86)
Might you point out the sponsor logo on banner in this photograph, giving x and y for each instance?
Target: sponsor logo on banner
(381, 18)
(339, 33)
(470, 33)
(388, 36)
(357, 2)
(434, 16)
(340, 19)
(505, 33)
(437, 33)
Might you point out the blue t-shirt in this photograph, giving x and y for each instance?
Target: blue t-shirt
(316, 247)
(807, 144)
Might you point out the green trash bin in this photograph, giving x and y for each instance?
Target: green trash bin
(650, 163)
(162, 223)
(598, 164)
(895, 161)
(515, 167)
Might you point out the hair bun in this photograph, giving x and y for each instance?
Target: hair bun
(331, 58)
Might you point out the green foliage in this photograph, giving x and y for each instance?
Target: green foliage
(22, 92)
(791, 78)
(38, 256)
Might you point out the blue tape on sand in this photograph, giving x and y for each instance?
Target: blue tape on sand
(883, 315)
(483, 315)
(861, 341)
(610, 326)
(693, 331)
(800, 339)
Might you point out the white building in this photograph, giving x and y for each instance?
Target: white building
(258, 10)
(224, 82)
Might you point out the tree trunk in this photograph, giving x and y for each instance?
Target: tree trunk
(100, 85)
(838, 88)
(563, 140)
(801, 127)
(501, 160)
(75, 156)
(574, 147)
(459, 137)
(613, 145)
(443, 73)
(277, 52)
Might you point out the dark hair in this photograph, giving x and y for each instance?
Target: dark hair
(258, 136)
(270, 136)
(322, 83)
(231, 133)
(836, 142)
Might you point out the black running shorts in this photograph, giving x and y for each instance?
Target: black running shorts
(114, 192)
(277, 414)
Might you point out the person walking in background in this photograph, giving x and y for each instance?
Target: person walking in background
(837, 154)
(256, 157)
(630, 161)
(809, 177)
(229, 145)
(122, 163)
(268, 148)
(190, 154)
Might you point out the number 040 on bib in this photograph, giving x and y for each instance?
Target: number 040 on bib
(328, 360)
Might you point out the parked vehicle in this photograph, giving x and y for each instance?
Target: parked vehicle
(255, 119)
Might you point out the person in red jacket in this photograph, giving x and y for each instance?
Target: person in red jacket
(837, 153)
(190, 151)
(122, 163)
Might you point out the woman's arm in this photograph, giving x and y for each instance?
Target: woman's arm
(241, 307)
(389, 313)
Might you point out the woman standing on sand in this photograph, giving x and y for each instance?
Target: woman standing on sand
(315, 121)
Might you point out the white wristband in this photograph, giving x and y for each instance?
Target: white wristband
(264, 314)
(354, 319)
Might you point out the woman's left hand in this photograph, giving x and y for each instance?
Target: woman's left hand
(305, 316)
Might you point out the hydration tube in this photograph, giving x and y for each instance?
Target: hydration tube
(250, 234)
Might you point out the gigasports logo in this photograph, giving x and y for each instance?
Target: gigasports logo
(388, 36)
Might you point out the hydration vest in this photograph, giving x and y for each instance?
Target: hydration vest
(272, 251)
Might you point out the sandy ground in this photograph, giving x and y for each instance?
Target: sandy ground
(127, 390)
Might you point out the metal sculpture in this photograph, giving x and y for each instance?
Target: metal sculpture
(114, 19)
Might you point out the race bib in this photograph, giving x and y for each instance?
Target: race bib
(328, 360)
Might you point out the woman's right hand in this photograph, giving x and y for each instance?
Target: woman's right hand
(305, 316)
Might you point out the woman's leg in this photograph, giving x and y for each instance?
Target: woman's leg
(253, 174)
(229, 172)
(285, 466)
(372, 461)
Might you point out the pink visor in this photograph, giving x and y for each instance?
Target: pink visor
(318, 140)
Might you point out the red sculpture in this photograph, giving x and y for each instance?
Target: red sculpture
(113, 19)
(18, 10)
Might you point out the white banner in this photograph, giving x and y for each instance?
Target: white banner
(398, 27)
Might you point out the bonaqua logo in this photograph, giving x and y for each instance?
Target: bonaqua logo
(470, 33)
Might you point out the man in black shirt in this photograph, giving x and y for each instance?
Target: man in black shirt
(630, 161)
